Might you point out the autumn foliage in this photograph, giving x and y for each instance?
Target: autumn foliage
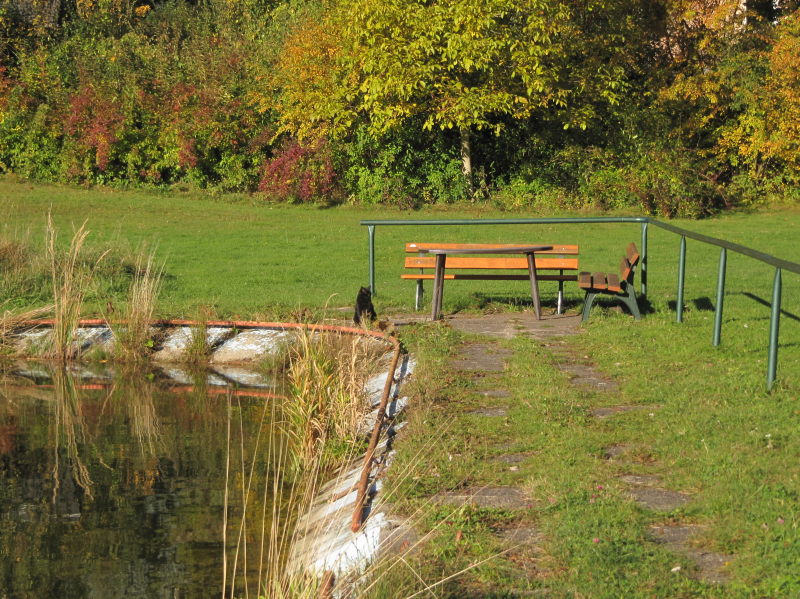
(670, 107)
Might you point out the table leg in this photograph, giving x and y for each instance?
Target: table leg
(534, 285)
(438, 284)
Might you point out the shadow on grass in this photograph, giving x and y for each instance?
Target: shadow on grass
(764, 302)
(701, 304)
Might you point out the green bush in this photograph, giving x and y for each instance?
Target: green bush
(405, 167)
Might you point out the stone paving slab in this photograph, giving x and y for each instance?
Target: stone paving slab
(497, 393)
(615, 451)
(489, 497)
(481, 357)
(659, 500)
(711, 566)
(529, 536)
(607, 411)
(491, 412)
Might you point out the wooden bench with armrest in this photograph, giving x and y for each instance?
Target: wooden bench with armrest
(618, 286)
(561, 258)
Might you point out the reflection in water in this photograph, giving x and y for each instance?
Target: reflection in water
(119, 490)
(68, 432)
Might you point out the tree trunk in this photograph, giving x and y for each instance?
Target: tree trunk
(466, 156)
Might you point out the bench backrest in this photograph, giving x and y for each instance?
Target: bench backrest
(628, 264)
(558, 258)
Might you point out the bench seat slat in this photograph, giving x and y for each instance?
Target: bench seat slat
(599, 280)
(489, 277)
(557, 249)
(456, 262)
(613, 283)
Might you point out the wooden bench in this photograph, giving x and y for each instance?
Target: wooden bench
(561, 258)
(618, 286)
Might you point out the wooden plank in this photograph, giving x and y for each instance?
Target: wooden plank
(599, 280)
(625, 270)
(557, 249)
(456, 262)
(585, 280)
(613, 283)
(488, 277)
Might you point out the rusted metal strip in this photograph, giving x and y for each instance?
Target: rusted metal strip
(361, 497)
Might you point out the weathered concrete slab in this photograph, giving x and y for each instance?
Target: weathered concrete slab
(608, 411)
(528, 536)
(585, 375)
(177, 340)
(511, 324)
(495, 412)
(641, 480)
(710, 567)
(659, 500)
(613, 452)
(497, 393)
(250, 345)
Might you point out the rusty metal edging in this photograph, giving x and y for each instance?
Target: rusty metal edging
(363, 483)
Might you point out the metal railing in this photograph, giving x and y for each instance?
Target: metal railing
(779, 264)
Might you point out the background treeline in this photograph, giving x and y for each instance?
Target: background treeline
(674, 107)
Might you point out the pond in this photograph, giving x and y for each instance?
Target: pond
(134, 486)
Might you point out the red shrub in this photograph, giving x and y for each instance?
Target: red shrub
(95, 122)
(299, 174)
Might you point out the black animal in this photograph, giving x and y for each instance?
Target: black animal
(364, 307)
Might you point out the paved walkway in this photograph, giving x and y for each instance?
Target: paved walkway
(487, 355)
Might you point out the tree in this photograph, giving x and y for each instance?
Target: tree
(458, 64)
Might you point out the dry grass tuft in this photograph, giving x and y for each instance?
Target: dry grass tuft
(133, 336)
(12, 320)
(69, 285)
(326, 372)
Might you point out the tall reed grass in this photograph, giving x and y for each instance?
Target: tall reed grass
(325, 406)
(326, 373)
(133, 335)
(198, 349)
(70, 281)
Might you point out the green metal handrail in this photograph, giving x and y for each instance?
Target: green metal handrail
(778, 263)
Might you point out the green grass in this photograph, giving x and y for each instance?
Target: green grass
(714, 431)
(707, 428)
(246, 258)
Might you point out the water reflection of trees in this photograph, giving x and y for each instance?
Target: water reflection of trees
(119, 491)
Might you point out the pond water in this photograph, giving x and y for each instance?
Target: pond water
(118, 488)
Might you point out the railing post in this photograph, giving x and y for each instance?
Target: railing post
(723, 257)
(371, 230)
(774, 324)
(643, 262)
(681, 278)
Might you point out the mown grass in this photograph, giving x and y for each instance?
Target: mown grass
(714, 431)
(249, 259)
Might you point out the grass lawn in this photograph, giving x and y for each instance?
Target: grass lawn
(248, 259)
(709, 429)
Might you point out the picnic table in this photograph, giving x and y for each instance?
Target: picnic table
(441, 254)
